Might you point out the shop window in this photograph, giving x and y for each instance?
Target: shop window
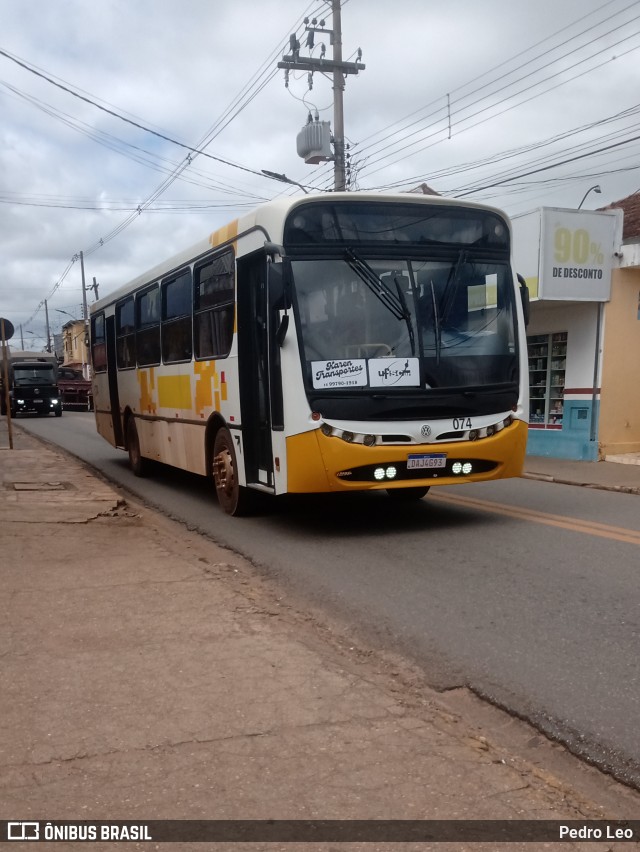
(547, 367)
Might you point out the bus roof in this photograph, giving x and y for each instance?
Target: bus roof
(270, 218)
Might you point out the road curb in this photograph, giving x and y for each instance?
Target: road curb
(543, 477)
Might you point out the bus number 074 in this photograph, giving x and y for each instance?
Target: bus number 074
(461, 423)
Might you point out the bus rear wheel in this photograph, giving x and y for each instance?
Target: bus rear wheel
(137, 462)
(233, 497)
(416, 492)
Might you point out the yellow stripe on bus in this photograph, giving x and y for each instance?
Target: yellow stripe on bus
(146, 380)
(205, 372)
(175, 392)
(223, 235)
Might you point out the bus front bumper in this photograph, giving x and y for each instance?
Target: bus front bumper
(317, 463)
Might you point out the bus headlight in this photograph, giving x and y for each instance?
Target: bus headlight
(369, 440)
(461, 467)
(348, 437)
(378, 473)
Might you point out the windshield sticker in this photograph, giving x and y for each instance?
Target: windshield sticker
(339, 374)
(394, 372)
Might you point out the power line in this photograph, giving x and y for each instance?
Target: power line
(392, 158)
(121, 117)
(518, 152)
(443, 130)
(126, 149)
(165, 184)
(512, 106)
(506, 62)
(545, 168)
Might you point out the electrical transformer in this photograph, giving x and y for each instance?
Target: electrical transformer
(314, 142)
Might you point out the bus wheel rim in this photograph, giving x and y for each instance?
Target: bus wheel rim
(223, 472)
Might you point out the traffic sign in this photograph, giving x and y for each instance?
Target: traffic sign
(6, 329)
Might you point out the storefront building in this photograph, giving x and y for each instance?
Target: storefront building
(619, 421)
(583, 274)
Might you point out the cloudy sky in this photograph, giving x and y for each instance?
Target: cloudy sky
(102, 100)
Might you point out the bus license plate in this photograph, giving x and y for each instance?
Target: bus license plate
(428, 460)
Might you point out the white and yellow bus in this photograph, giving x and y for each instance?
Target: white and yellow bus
(327, 343)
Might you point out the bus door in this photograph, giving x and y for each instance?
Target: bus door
(254, 368)
(112, 376)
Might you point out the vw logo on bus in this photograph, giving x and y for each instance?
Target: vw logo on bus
(425, 431)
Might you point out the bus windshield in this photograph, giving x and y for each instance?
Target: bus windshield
(367, 321)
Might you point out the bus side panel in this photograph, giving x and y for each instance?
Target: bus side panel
(172, 405)
(104, 425)
(175, 443)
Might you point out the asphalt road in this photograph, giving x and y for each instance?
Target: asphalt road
(526, 592)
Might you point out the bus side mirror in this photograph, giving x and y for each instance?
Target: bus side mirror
(524, 295)
(279, 299)
(281, 332)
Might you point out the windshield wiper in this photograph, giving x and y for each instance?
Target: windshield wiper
(436, 322)
(451, 287)
(407, 314)
(376, 285)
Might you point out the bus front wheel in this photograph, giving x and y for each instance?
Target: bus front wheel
(137, 462)
(233, 498)
(416, 492)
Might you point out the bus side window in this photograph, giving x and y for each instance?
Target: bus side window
(125, 334)
(148, 327)
(98, 344)
(214, 306)
(176, 318)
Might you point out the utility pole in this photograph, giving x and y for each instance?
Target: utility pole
(339, 177)
(340, 69)
(46, 316)
(85, 317)
(85, 312)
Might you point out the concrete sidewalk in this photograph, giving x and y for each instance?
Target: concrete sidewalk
(148, 673)
(620, 475)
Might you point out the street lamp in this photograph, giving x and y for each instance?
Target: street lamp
(283, 179)
(595, 189)
(67, 313)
